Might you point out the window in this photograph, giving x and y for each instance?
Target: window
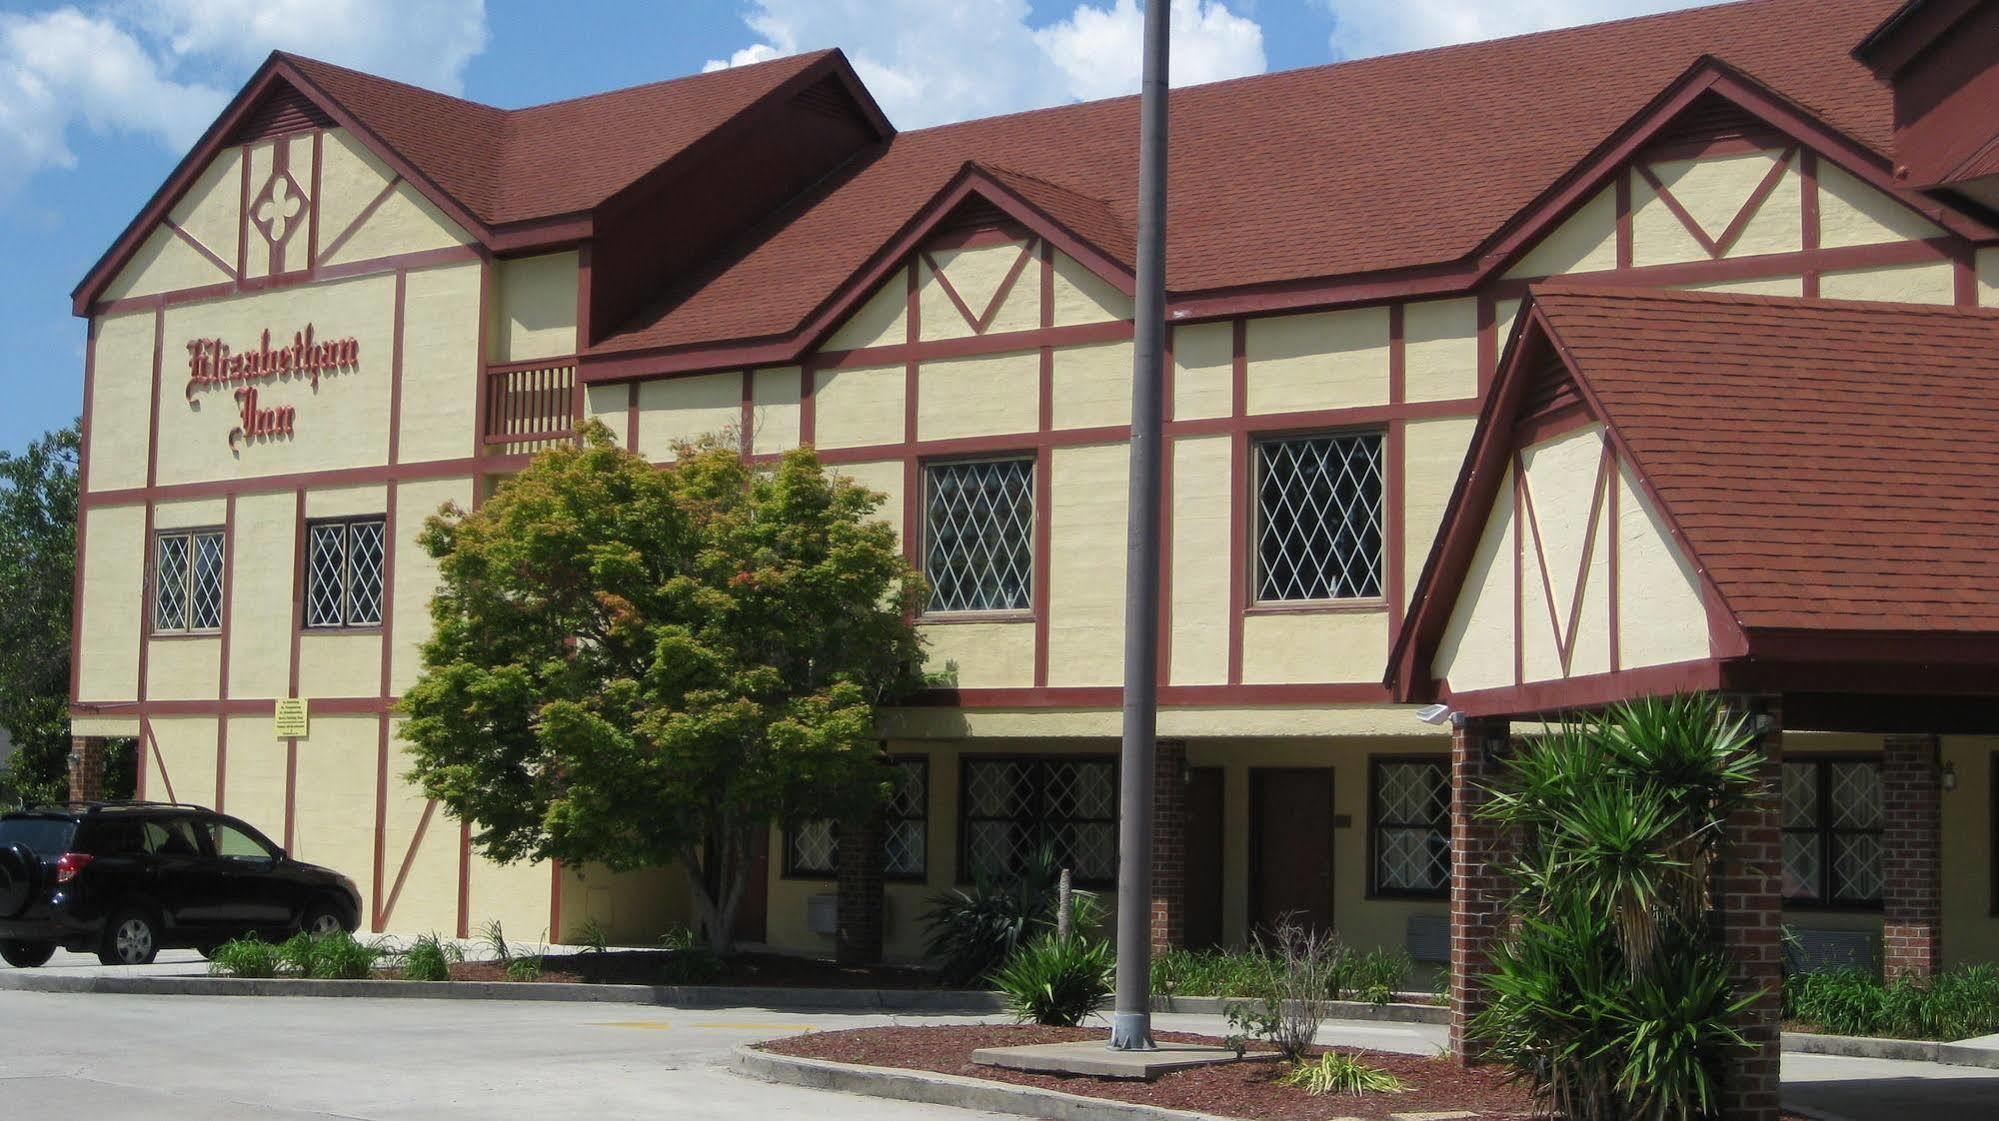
(1015, 808)
(813, 847)
(187, 582)
(343, 573)
(1319, 529)
(978, 535)
(171, 837)
(1409, 810)
(1832, 831)
(233, 842)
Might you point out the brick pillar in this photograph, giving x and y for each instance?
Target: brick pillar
(1478, 888)
(1169, 846)
(1912, 869)
(86, 768)
(858, 940)
(1751, 886)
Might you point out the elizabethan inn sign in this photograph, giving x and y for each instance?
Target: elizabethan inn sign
(210, 362)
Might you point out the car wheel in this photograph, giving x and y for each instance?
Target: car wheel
(26, 955)
(132, 937)
(322, 919)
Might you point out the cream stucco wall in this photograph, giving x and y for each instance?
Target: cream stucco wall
(1931, 282)
(121, 400)
(1440, 350)
(980, 396)
(858, 407)
(1433, 454)
(1585, 242)
(1713, 190)
(535, 307)
(1662, 618)
(1086, 577)
(1322, 360)
(882, 320)
(686, 409)
(1203, 368)
(1202, 489)
(1476, 651)
(114, 603)
(981, 655)
(774, 419)
(1564, 484)
(1853, 213)
(976, 274)
(1092, 385)
(440, 363)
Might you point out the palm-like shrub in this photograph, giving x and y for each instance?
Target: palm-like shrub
(1611, 997)
(970, 933)
(1057, 981)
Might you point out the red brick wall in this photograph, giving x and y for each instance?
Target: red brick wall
(1478, 890)
(858, 938)
(1169, 846)
(86, 768)
(1752, 885)
(1912, 843)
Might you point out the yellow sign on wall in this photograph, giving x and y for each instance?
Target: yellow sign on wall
(291, 720)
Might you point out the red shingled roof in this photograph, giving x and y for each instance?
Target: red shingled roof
(561, 158)
(1831, 463)
(1377, 164)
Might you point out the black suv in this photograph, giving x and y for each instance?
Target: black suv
(128, 879)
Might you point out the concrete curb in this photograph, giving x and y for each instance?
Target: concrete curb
(684, 996)
(1341, 1009)
(927, 1088)
(1861, 1047)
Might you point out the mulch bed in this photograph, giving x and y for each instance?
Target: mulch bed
(1233, 1089)
(651, 967)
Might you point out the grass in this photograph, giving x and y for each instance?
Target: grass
(527, 967)
(1955, 1004)
(1337, 1073)
(329, 957)
(430, 958)
(1374, 976)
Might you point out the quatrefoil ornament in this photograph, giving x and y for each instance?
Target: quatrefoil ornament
(280, 204)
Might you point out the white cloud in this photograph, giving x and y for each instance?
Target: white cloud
(1098, 50)
(162, 69)
(62, 67)
(427, 44)
(929, 62)
(1368, 27)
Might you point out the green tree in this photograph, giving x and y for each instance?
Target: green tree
(37, 574)
(642, 667)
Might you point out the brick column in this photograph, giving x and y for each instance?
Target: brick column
(1912, 864)
(858, 940)
(1478, 888)
(1169, 846)
(1751, 885)
(86, 768)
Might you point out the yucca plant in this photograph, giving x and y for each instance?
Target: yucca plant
(972, 932)
(1611, 998)
(1057, 981)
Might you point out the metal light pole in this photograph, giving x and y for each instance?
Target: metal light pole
(1131, 1016)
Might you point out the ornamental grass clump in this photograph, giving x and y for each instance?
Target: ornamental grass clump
(1337, 1073)
(248, 956)
(430, 958)
(1057, 981)
(1956, 1004)
(1611, 998)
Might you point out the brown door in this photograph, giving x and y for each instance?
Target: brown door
(752, 913)
(1204, 857)
(1291, 847)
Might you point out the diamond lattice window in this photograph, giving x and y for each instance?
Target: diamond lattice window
(813, 848)
(1319, 520)
(1832, 818)
(187, 582)
(978, 535)
(1412, 827)
(1016, 808)
(343, 573)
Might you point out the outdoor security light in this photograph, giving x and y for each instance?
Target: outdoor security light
(1434, 714)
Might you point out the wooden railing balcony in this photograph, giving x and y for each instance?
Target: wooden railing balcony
(529, 403)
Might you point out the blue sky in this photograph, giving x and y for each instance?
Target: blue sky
(98, 100)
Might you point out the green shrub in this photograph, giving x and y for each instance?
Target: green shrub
(248, 956)
(341, 957)
(592, 937)
(1056, 981)
(494, 938)
(1337, 1073)
(1375, 976)
(696, 965)
(1956, 1004)
(430, 958)
(527, 967)
(678, 938)
(1611, 997)
(972, 932)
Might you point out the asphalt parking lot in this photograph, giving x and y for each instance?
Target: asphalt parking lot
(186, 1058)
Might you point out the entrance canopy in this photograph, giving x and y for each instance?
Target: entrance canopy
(1673, 491)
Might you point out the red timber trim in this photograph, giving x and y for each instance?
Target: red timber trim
(1717, 246)
(1563, 631)
(1964, 275)
(1808, 263)
(1240, 498)
(312, 232)
(82, 511)
(746, 419)
(1044, 461)
(360, 219)
(555, 901)
(377, 916)
(1612, 570)
(242, 217)
(808, 380)
(1186, 696)
(222, 656)
(427, 258)
(1395, 445)
(489, 278)
(979, 321)
(387, 907)
(464, 879)
(1589, 690)
(396, 369)
(298, 632)
(334, 477)
(383, 722)
(632, 417)
(189, 240)
(584, 336)
(1519, 562)
(152, 746)
(1626, 243)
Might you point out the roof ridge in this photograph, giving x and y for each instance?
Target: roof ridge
(1612, 290)
(802, 60)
